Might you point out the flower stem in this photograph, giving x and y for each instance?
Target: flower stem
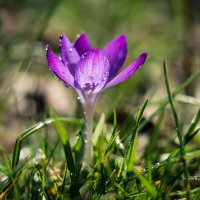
(89, 113)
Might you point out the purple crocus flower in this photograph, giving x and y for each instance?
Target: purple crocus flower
(89, 70)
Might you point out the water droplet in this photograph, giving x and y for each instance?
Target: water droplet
(61, 37)
(78, 36)
(47, 48)
(104, 78)
(78, 98)
(82, 56)
(96, 84)
(70, 49)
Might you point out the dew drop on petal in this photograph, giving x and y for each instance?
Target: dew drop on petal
(78, 36)
(70, 49)
(47, 49)
(104, 78)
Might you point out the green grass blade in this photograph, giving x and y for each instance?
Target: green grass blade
(187, 139)
(35, 128)
(146, 183)
(176, 91)
(178, 130)
(130, 155)
(108, 149)
(64, 136)
(155, 135)
(193, 125)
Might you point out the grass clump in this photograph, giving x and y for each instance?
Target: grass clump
(55, 168)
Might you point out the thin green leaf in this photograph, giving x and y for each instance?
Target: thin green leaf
(178, 130)
(146, 183)
(193, 125)
(32, 130)
(176, 91)
(130, 155)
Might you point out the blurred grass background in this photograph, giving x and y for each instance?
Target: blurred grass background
(167, 30)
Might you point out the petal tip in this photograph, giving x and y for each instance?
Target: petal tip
(123, 36)
(48, 50)
(62, 35)
(143, 56)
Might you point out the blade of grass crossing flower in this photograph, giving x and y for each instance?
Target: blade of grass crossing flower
(130, 155)
(145, 183)
(178, 130)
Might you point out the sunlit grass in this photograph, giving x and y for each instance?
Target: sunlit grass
(47, 160)
(58, 171)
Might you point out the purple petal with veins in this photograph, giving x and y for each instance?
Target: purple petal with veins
(68, 53)
(128, 71)
(58, 68)
(116, 51)
(92, 72)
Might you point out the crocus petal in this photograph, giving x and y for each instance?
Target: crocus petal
(58, 68)
(82, 44)
(128, 71)
(68, 53)
(92, 72)
(116, 51)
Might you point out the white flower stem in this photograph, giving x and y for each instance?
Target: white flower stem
(89, 114)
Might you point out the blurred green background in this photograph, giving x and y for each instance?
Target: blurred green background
(167, 30)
